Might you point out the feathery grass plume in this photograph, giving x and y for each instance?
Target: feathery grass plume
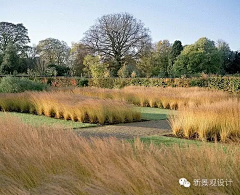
(216, 121)
(171, 98)
(55, 161)
(15, 102)
(70, 106)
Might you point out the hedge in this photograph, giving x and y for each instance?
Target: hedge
(17, 85)
(230, 84)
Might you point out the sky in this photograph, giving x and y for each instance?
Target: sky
(184, 20)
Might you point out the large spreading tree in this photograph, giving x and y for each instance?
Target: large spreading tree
(53, 51)
(116, 36)
(13, 47)
(202, 56)
(14, 34)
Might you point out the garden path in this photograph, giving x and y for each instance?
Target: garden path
(127, 130)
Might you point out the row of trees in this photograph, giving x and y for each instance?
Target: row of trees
(117, 45)
(204, 56)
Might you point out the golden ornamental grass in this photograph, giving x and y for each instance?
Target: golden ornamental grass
(216, 121)
(70, 106)
(171, 98)
(54, 161)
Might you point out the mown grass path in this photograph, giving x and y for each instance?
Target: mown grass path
(36, 120)
(157, 124)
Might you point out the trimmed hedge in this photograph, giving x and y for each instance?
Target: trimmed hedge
(64, 81)
(230, 84)
(147, 82)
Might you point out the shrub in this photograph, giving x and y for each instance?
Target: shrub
(123, 72)
(56, 70)
(16, 85)
(83, 82)
(198, 82)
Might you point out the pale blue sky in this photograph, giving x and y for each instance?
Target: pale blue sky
(185, 20)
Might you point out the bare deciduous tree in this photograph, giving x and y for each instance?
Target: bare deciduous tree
(115, 36)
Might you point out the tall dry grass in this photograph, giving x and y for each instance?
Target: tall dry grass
(70, 107)
(55, 161)
(172, 98)
(216, 121)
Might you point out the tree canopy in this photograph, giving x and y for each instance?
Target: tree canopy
(173, 54)
(13, 48)
(53, 51)
(15, 34)
(77, 54)
(94, 67)
(116, 45)
(160, 58)
(115, 36)
(202, 56)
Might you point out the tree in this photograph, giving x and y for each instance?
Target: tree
(13, 47)
(115, 36)
(13, 62)
(41, 66)
(94, 66)
(234, 66)
(144, 65)
(123, 72)
(15, 34)
(226, 55)
(77, 54)
(1, 58)
(58, 70)
(173, 54)
(201, 56)
(31, 57)
(160, 58)
(126, 70)
(10, 62)
(53, 51)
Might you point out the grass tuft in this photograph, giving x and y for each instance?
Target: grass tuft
(218, 121)
(168, 98)
(55, 161)
(70, 106)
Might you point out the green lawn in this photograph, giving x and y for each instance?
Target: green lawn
(36, 120)
(155, 113)
(168, 141)
(183, 143)
(147, 113)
